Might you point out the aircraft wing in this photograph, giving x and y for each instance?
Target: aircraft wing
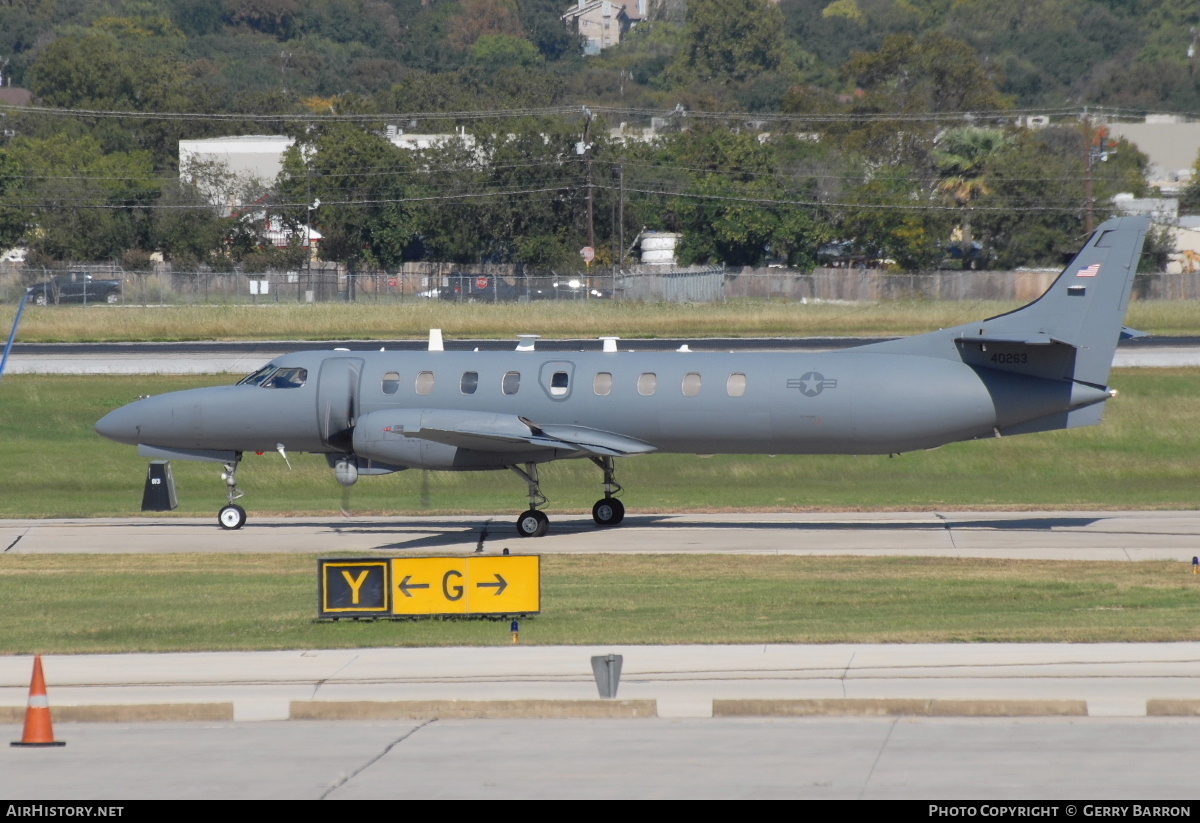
(485, 431)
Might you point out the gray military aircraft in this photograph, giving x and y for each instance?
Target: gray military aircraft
(1042, 367)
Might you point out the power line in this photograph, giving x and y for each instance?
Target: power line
(677, 115)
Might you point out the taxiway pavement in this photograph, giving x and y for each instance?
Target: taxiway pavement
(1064, 535)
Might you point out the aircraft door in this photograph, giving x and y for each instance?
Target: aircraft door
(337, 401)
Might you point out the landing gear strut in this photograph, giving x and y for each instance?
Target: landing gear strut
(608, 511)
(532, 523)
(232, 516)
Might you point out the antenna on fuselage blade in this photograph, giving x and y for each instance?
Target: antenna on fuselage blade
(527, 341)
(609, 343)
(435, 340)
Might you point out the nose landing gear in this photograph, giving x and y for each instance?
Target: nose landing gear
(232, 516)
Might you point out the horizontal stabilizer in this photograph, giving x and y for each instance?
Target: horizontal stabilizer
(1011, 339)
(1132, 334)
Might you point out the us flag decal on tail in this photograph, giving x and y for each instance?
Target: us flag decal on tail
(1090, 271)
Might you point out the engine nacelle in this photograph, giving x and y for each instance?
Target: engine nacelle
(347, 468)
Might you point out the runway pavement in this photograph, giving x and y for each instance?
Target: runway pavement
(213, 358)
(1118, 536)
(1119, 679)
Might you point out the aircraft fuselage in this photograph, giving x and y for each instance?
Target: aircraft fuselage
(843, 402)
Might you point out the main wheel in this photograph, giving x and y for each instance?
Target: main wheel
(532, 524)
(608, 512)
(232, 517)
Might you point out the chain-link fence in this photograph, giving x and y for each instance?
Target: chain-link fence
(311, 284)
(508, 284)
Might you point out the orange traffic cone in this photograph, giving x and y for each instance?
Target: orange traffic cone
(38, 731)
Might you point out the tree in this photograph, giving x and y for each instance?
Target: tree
(907, 75)
(731, 40)
(962, 156)
(100, 71)
(542, 21)
(733, 204)
(1035, 211)
(363, 183)
(478, 18)
(85, 204)
(894, 216)
(498, 51)
(13, 214)
(511, 196)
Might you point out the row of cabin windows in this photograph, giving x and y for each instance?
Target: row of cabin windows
(602, 383)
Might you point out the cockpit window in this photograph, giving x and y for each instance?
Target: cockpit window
(259, 376)
(292, 378)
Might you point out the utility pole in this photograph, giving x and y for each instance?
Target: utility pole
(1087, 171)
(621, 218)
(585, 148)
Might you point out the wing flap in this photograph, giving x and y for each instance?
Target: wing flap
(486, 431)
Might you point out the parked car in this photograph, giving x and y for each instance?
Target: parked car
(75, 287)
(475, 288)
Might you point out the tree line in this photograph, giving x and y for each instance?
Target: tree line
(907, 151)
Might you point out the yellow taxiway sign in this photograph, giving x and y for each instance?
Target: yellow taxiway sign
(411, 586)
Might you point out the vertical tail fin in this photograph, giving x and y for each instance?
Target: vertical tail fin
(1065, 340)
(1084, 309)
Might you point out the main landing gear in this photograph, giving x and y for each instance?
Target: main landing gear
(232, 516)
(608, 511)
(532, 523)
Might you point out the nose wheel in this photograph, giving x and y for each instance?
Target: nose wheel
(232, 516)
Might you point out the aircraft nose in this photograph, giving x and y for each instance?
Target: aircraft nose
(120, 425)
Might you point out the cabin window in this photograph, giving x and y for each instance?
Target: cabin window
(512, 382)
(391, 382)
(559, 384)
(286, 379)
(602, 385)
(469, 382)
(425, 382)
(691, 384)
(735, 386)
(647, 383)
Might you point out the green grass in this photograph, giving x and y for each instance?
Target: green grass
(65, 604)
(340, 321)
(1146, 455)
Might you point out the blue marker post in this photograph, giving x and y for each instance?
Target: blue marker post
(1196, 565)
(516, 631)
(12, 335)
